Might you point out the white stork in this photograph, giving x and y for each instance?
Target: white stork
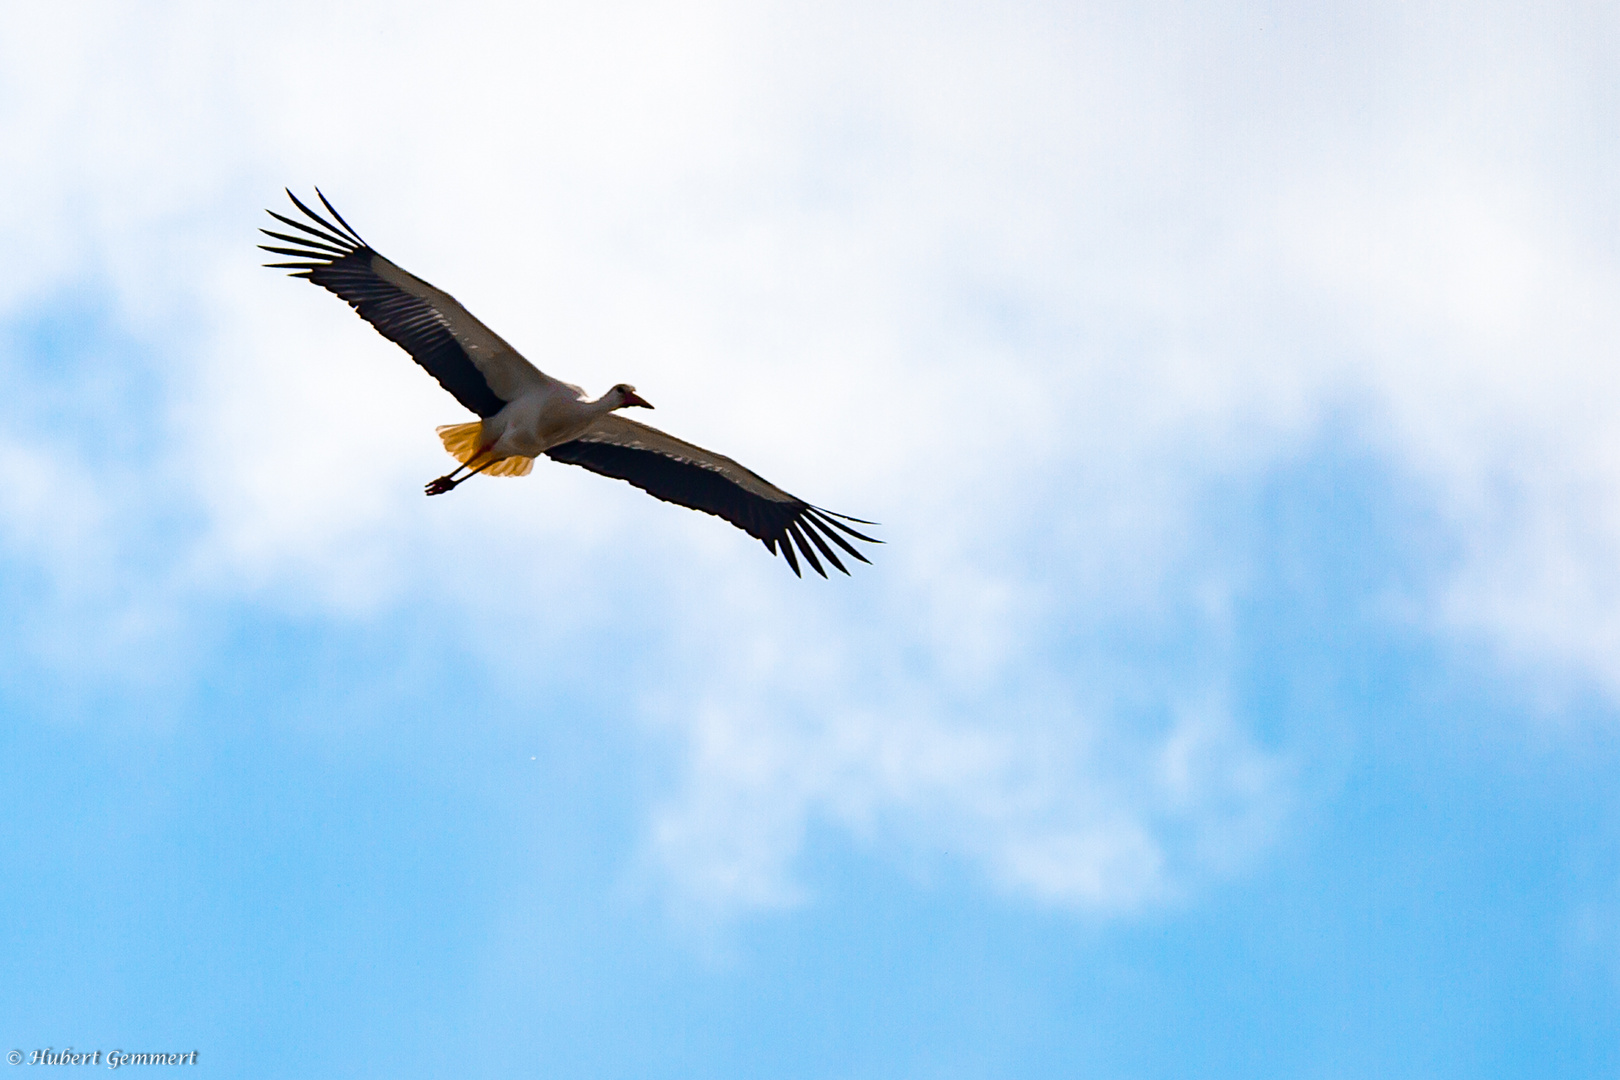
(525, 413)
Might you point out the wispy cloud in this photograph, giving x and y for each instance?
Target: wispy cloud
(1027, 284)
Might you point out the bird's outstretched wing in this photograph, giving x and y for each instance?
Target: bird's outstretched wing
(678, 472)
(469, 360)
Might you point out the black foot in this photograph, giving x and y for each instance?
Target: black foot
(441, 485)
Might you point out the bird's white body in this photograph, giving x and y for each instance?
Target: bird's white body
(547, 413)
(543, 417)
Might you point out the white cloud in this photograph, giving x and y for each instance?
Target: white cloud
(1020, 280)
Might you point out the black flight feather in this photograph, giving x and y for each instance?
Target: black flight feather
(343, 264)
(773, 522)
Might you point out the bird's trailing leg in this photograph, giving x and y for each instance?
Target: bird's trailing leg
(449, 480)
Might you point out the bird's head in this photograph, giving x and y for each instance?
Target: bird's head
(624, 395)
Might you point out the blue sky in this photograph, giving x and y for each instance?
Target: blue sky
(1236, 693)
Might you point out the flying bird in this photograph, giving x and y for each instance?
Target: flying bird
(524, 412)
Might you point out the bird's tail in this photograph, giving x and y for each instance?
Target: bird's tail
(511, 466)
(464, 440)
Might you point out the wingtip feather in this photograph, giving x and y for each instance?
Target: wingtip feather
(792, 559)
(805, 549)
(811, 530)
(313, 216)
(350, 229)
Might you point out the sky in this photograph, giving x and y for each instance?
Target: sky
(1236, 692)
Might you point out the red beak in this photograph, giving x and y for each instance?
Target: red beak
(633, 398)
